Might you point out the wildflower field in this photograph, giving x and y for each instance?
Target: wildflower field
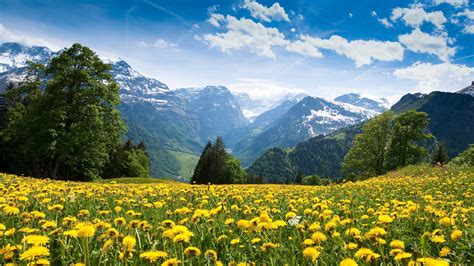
(397, 219)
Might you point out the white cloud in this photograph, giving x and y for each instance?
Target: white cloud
(469, 29)
(212, 9)
(456, 3)
(382, 21)
(261, 89)
(142, 44)
(361, 51)
(216, 19)
(267, 14)
(163, 44)
(466, 13)
(444, 76)
(420, 42)
(304, 48)
(468, 21)
(158, 43)
(385, 22)
(416, 15)
(28, 40)
(246, 34)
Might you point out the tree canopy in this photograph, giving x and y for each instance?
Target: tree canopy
(62, 119)
(465, 158)
(386, 143)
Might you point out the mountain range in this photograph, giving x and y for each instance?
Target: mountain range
(175, 124)
(292, 122)
(451, 122)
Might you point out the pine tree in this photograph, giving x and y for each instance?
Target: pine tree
(441, 156)
(217, 166)
(202, 167)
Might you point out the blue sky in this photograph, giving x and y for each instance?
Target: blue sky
(266, 48)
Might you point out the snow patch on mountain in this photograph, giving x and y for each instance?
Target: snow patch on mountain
(469, 90)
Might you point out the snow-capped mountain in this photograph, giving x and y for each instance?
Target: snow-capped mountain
(251, 108)
(134, 87)
(14, 60)
(14, 55)
(469, 90)
(379, 105)
(217, 109)
(310, 117)
(314, 116)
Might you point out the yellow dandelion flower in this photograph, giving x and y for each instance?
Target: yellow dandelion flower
(268, 246)
(446, 221)
(107, 245)
(318, 237)
(402, 255)
(71, 233)
(255, 240)
(10, 232)
(192, 251)
(395, 251)
(235, 241)
(86, 231)
(34, 252)
(41, 262)
(221, 238)
(351, 246)
(311, 253)
(120, 221)
(171, 262)
(10, 210)
(182, 238)
(367, 254)
(456, 235)
(36, 240)
(397, 244)
(385, 219)
(211, 254)
(348, 262)
(352, 232)
(129, 243)
(444, 252)
(438, 239)
(153, 255)
(432, 262)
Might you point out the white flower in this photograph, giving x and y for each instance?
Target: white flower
(294, 221)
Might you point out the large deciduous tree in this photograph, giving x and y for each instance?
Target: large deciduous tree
(63, 119)
(368, 154)
(386, 143)
(409, 131)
